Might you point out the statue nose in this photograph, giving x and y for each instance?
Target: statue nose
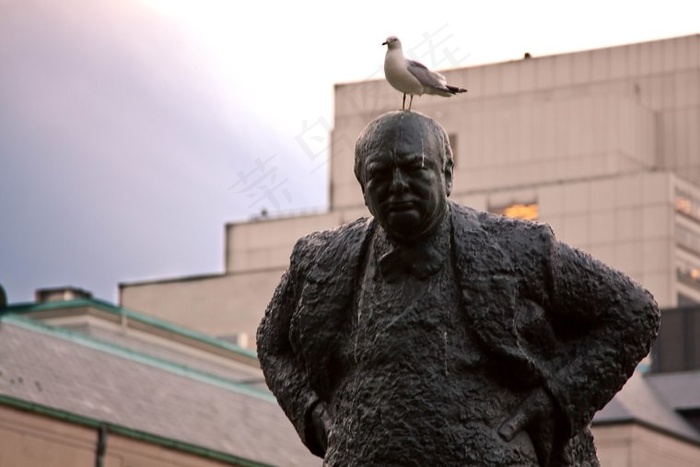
(398, 181)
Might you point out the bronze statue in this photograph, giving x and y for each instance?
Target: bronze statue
(432, 334)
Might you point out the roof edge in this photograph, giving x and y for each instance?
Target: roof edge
(133, 355)
(186, 278)
(132, 315)
(498, 62)
(195, 278)
(648, 425)
(127, 432)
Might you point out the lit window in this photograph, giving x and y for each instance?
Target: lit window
(688, 272)
(530, 211)
(687, 204)
(682, 205)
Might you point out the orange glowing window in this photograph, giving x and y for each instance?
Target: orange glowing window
(530, 212)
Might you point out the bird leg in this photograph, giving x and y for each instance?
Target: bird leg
(403, 104)
(410, 103)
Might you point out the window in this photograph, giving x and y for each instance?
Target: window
(687, 238)
(687, 204)
(527, 211)
(688, 273)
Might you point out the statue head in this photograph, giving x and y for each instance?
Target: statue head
(404, 162)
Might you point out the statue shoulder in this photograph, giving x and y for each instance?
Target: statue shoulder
(510, 233)
(309, 247)
(500, 225)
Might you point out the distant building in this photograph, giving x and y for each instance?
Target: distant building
(84, 382)
(602, 144)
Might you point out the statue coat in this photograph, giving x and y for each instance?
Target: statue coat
(546, 314)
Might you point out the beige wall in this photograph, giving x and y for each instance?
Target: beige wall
(27, 439)
(632, 445)
(268, 243)
(219, 306)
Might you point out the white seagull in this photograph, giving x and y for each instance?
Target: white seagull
(411, 77)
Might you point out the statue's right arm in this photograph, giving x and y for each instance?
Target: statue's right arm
(281, 365)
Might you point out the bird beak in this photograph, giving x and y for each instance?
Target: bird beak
(384, 43)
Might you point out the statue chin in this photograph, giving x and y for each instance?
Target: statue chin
(404, 224)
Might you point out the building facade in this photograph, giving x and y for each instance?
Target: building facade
(603, 145)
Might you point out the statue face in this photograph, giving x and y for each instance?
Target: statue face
(405, 187)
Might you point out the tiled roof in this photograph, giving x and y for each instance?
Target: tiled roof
(80, 375)
(681, 390)
(638, 401)
(252, 376)
(129, 315)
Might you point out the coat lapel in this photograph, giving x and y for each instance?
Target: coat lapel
(490, 298)
(324, 311)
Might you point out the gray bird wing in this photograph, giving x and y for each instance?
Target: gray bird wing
(425, 76)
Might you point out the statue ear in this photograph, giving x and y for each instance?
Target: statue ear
(364, 194)
(448, 178)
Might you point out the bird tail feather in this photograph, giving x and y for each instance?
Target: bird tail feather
(455, 89)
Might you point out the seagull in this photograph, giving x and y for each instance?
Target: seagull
(411, 77)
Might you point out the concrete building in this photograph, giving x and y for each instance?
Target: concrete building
(602, 144)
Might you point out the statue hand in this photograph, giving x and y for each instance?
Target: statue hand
(537, 415)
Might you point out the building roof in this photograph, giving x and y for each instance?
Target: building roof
(71, 375)
(155, 337)
(640, 401)
(126, 316)
(681, 390)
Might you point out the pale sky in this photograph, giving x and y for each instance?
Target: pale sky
(131, 131)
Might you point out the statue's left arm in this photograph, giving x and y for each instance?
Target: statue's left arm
(605, 323)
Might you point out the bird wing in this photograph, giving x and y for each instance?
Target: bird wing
(425, 76)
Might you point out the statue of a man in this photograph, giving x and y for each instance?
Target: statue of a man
(432, 334)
